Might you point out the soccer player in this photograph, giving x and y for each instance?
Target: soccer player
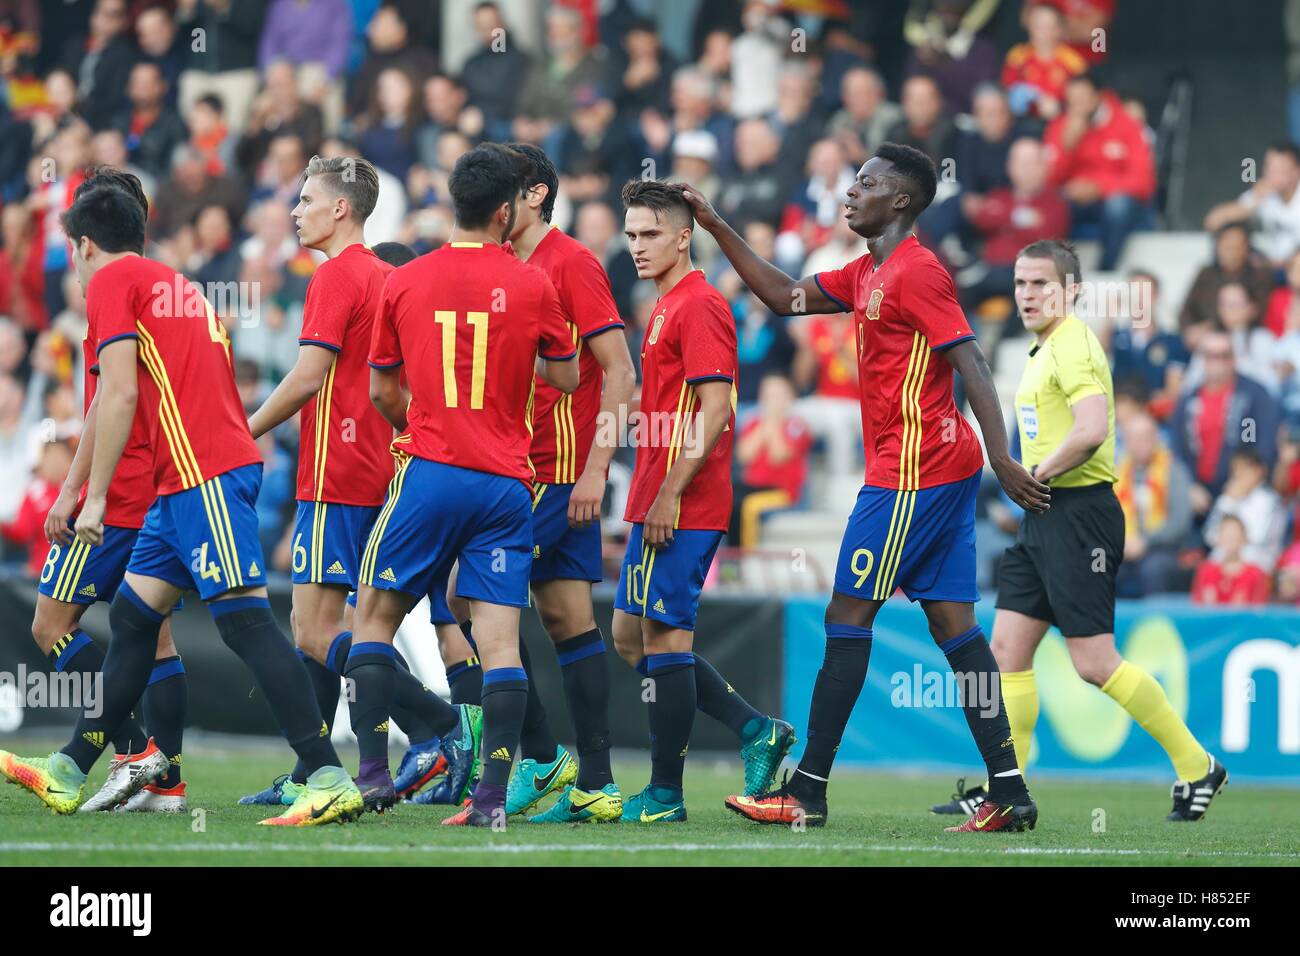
(913, 526)
(468, 323)
(75, 576)
(679, 505)
(1065, 410)
(571, 466)
(164, 356)
(343, 459)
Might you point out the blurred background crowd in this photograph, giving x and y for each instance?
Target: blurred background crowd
(768, 108)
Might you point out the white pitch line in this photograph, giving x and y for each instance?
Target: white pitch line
(525, 848)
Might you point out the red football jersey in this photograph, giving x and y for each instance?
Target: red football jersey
(343, 446)
(468, 321)
(906, 312)
(692, 339)
(130, 493)
(187, 394)
(565, 425)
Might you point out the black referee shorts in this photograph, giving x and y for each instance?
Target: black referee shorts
(1063, 565)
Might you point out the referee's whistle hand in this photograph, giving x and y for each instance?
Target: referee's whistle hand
(1022, 487)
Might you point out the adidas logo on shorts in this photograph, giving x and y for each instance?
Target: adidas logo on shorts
(254, 570)
(388, 575)
(335, 568)
(88, 590)
(659, 606)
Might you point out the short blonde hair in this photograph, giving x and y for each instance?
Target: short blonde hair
(352, 178)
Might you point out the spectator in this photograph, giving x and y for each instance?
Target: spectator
(1254, 347)
(764, 343)
(1009, 218)
(982, 152)
(590, 147)
(444, 107)
(1152, 488)
(385, 222)
(1283, 312)
(210, 136)
(1249, 496)
(548, 91)
(189, 189)
(278, 109)
(817, 203)
(22, 280)
(226, 64)
(772, 452)
(1085, 24)
(58, 107)
(390, 47)
(1227, 577)
(15, 444)
(1144, 351)
(695, 108)
(866, 118)
(1035, 73)
(151, 127)
(314, 35)
(1234, 261)
(495, 73)
(101, 62)
(387, 129)
(155, 32)
(755, 59)
(27, 527)
(641, 77)
(1101, 160)
(597, 228)
(216, 261)
(1271, 206)
(280, 175)
(795, 119)
(947, 48)
(108, 148)
(1215, 419)
(925, 125)
(756, 193)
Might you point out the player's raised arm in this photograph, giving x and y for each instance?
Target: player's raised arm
(779, 292)
(968, 359)
(117, 396)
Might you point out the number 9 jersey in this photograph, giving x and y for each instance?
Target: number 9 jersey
(468, 321)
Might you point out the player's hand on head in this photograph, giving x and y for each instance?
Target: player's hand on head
(702, 209)
(1022, 487)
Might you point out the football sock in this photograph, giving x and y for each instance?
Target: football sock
(672, 714)
(165, 706)
(586, 687)
(978, 680)
(1142, 696)
(415, 727)
(465, 678)
(536, 742)
(505, 697)
(372, 671)
(126, 669)
(1020, 697)
(76, 653)
(719, 700)
(836, 690)
(248, 628)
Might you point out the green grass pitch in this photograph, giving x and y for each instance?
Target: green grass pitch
(875, 819)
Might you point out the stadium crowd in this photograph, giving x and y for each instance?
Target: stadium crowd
(217, 105)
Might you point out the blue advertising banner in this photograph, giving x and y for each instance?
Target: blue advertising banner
(1233, 673)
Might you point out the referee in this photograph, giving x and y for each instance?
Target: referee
(1061, 570)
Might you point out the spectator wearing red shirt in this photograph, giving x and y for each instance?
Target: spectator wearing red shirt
(827, 361)
(773, 454)
(1101, 160)
(1283, 313)
(1009, 219)
(28, 526)
(1035, 73)
(1226, 578)
(1085, 24)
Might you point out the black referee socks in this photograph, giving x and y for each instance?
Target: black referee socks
(839, 682)
(980, 685)
(248, 628)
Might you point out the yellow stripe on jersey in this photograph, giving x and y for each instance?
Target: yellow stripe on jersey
(377, 533)
(187, 465)
(324, 399)
(571, 442)
(528, 421)
(557, 423)
(908, 469)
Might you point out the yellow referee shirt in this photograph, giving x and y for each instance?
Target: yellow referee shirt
(1068, 366)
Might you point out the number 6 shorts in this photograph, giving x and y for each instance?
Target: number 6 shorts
(205, 538)
(922, 541)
